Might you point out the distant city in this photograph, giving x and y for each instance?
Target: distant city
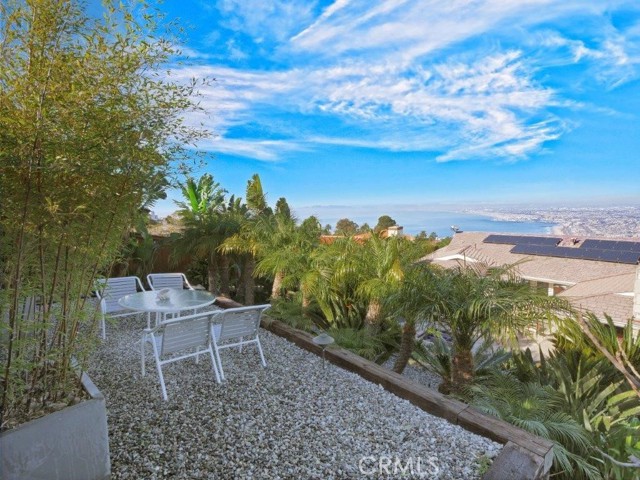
(619, 222)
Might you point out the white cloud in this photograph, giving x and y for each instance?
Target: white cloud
(267, 19)
(380, 67)
(396, 109)
(405, 30)
(266, 150)
(612, 57)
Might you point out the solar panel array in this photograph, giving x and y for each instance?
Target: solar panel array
(598, 250)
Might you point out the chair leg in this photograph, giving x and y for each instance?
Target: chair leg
(219, 361)
(264, 363)
(142, 342)
(213, 364)
(155, 354)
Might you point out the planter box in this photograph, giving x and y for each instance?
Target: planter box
(66, 445)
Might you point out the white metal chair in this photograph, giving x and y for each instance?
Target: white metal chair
(190, 334)
(240, 324)
(110, 291)
(158, 281)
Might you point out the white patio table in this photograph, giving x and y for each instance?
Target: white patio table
(177, 301)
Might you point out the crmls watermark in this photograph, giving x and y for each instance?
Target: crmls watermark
(408, 466)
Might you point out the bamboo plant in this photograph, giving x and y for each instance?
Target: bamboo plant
(85, 120)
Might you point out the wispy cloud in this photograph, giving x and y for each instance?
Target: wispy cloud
(266, 20)
(447, 77)
(476, 104)
(266, 150)
(612, 59)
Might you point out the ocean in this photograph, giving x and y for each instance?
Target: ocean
(441, 222)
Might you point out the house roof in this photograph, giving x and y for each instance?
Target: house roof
(600, 287)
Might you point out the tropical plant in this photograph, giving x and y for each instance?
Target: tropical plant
(291, 313)
(574, 397)
(350, 280)
(332, 283)
(534, 407)
(232, 217)
(601, 338)
(84, 123)
(375, 347)
(472, 303)
(202, 235)
(382, 263)
(437, 357)
(275, 238)
(246, 241)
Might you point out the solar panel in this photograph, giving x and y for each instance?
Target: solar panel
(577, 253)
(527, 249)
(597, 250)
(591, 244)
(585, 254)
(629, 257)
(611, 245)
(501, 239)
(630, 246)
(521, 240)
(608, 255)
(538, 241)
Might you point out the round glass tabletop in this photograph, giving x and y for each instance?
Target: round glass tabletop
(169, 300)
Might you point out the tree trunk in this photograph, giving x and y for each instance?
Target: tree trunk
(372, 318)
(461, 368)
(224, 276)
(240, 287)
(277, 286)
(306, 302)
(406, 347)
(249, 284)
(212, 274)
(445, 386)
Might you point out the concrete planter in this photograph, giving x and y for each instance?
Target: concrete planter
(66, 445)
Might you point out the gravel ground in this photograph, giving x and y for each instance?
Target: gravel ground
(293, 419)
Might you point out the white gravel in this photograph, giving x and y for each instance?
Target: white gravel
(293, 419)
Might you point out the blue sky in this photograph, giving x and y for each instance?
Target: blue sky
(427, 104)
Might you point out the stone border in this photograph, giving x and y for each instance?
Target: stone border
(524, 457)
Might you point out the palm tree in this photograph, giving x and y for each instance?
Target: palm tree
(200, 214)
(473, 303)
(274, 236)
(332, 280)
(247, 240)
(231, 218)
(307, 241)
(382, 263)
